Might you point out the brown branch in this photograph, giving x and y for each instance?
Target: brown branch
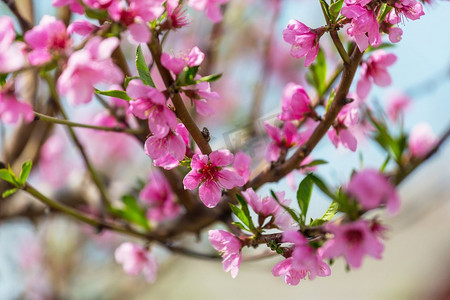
(180, 108)
(24, 23)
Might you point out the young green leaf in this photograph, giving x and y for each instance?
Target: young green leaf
(240, 214)
(26, 169)
(6, 176)
(315, 162)
(133, 212)
(304, 194)
(114, 93)
(142, 68)
(209, 78)
(9, 192)
(322, 186)
(286, 208)
(328, 215)
(335, 9)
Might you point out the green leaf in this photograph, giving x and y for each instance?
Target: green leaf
(26, 169)
(328, 215)
(240, 214)
(304, 193)
(315, 162)
(209, 78)
(142, 68)
(286, 208)
(335, 9)
(240, 225)
(244, 208)
(3, 79)
(319, 72)
(187, 77)
(114, 93)
(128, 79)
(96, 13)
(322, 186)
(9, 192)
(326, 8)
(330, 99)
(6, 176)
(133, 212)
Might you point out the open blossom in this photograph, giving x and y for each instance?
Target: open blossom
(295, 103)
(176, 64)
(421, 140)
(268, 206)
(166, 152)
(397, 104)
(160, 198)
(81, 27)
(99, 4)
(282, 139)
(364, 27)
(303, 40)
(242, 163)
(210, 174)
(176, 17)
(135, 14)
(11, 109)
(229, 248)
(395, 34)
(87, 67)
(411, 9)
(371, 189)
(210, 7)
(342, 133)
(48, 37)
(303, 262)
(11, 52)
(353, 241)
(149, 103)
(375, 70)
(136, 259)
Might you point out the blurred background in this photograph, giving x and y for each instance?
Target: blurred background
(51, 257)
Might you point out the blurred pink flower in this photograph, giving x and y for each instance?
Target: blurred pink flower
(74, 5)
(371, 189)
(229, 248)
(87, 67)
(11, 52)
(295, 103)
(81, 27)
(136, 259)
(375, 69)
(48, 37)
(303, 40)
(421, 140)
(242, 163)
(397, 104)
(160, 198)
(11, 109)
(342, 133)
(282, 139)
(176, 64)
(208, 172)
(210, 7)
(353, 241)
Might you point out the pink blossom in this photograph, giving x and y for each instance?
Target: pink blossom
(200, 94)
(341, 132)
(136, 259)
(160, 198)
(208, 172)
(397, 104)
(371, 189)
(47, 38)
(177, 64)
(395, 34)
(229, 248)
(175, 14)
(241, 165)
(166, 152)
(99, 4)
(268, 206)
(11, 52)
(150, 104)
(421, 140)
(11, 109)
(303, 40)
(282, 139)
(87, 67)
(295, 103)
(352, 240)
(73, 5)
(210, 7)
(411, 9)
(304, 261)
(364, 27)
(81, 27)
(375, 69)
(135, 15)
